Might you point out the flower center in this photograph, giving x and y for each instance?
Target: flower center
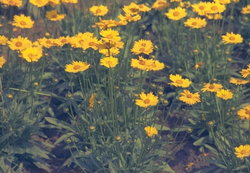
(176, 13)
(109, 36)
(31, 55)
(109, 62)
(11, 2)
(194, 23)
(140, 6)
(161, 3)
(76, 67)
(54, 16)
(91, 43)
(81, 41)
(243, 152)
(211, 87)
(143, 44)
(48, 42)
(179, 82)
(134, 10)
(142, 62)
(23, 23)
(201, 7)
(231, 38)
(98, 10)
(64, 40)
(189, 96)
(18, 44)
(147, 101)
(248, 112)
(142, 49)
(214, 8)
(239, 80)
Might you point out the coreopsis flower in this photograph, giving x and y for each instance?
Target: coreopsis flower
(109, 62)
(141, 64)
(90, 43)
(242, 151)
(47, 42)
(176, 13)
(177, 81)
(110, 35)
(54, 3)
(19, 43)
(156, 66)
(214, 8)
(147, 100)
(129, 18)
(99, 10)
(131, 9)
(189, 98)
(3, 40)
(238, 81)
(151, 131)
(225, 2)
(108, 45)
(110, 52)
(245, 10)
(211, 87)
(245, 72)
(54, 16)
(61, 41)
(23, 21)
(39, 3)
(17, 3)
(77, 66)
(142, 46)
(2, 61)
(79, 40)
(92, 100)
(224, 94)
(107, 24)
(32, 54)
(232, 38)
(143, 8)
(160, 5)
(244, 113)
(70, 1)
(195, 23)
(200, 8)
(186, 4)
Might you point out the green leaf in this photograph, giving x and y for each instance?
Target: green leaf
(166, 168)
(159, 127)
(60, 124)
(63, 137)
(4, 137)
(47, 75)
(161, 79)
(199, 141)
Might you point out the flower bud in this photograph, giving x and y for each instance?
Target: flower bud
(92, 128)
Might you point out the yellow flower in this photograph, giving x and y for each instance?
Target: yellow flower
(143, 8)
(244, 113)
(103, 24)
(225, 2)
(156, 66)
(32, 54)
(214, 8)
(54, 3)
(90, 43)
(147, 100)
(19, 43)
(189, 98)
(79, 40)
(108, 45)
(70, 1)
(109, 62)
(53, 16)
(246, 10)
(151, 131)
(110, 52)
(2, 61)
(129, 18)
(176, 14)
(142, 46)
(214, 16)
(110, 35)
(77, 66)
(17, 3)
(61, 41)
(99, 10)
(242, 151)
(141, 64)
(195, 23)
(211, 87)
(235, 1)
(131, 9)
(200, 8)
(92, 100)
(245, 72)
(238, 81)
(232, 38)
(47, 42)
(23, 21)
(160, 5)
(177, 81)
(3, 40)
(224, 94)
(39, 3)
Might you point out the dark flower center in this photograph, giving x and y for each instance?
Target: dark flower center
(179, 81)
(76, 67)
(18, 44)
(147, 101)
